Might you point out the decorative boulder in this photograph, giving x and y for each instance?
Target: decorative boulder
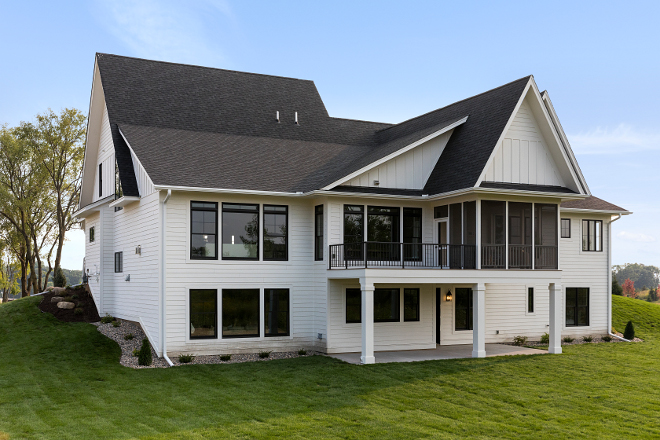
(56, 299)
(65, 305)
(49, 288)
(58, 290)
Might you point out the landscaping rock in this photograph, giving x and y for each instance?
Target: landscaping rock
(65, 305)
(58, 290)
(56, 299)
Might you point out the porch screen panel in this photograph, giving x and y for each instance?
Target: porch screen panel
(545, 236)
(520, 235)
(469, 234)
(493, 234)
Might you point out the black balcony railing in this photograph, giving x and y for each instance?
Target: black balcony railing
(412, 255)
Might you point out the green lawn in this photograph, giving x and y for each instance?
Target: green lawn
(61, 380)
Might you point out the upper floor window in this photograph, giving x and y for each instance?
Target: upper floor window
(592, 237)
(275, 232)
(318, 233)
(204, 230)
(566, 228)
(240, 231)
(92, 231)
(118, 190)
(353, 231)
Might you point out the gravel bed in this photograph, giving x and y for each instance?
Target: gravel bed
(576, 341)
(128, 360)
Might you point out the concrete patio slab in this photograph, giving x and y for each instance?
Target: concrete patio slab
(439, 353)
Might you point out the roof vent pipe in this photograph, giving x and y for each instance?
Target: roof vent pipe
(277, 116)
(296, 118)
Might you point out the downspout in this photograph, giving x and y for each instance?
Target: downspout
(163, 335)
(609, 281)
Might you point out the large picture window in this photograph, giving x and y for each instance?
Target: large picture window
(411, 304)
(240, 313)
(203, 313)
(463, 309)
(387, 305)
(204, 230)
(353, 232)
(353, 306)
(240, 231)
(276, 232)
(577, 306)
(592, 235)
(276, 312)
(318, 233)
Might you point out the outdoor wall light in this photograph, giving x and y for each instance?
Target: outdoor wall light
(448, 297)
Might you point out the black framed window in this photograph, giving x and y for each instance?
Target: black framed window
(100, 180)
(383, 233)
(276, 312)
(387, 305)
(276, 232)
(353, 232)
(412, 234)
(318, 233)
(353, 306)
(577, 306)
(592, 235)
(240, 231)
(92, 231)
(410, 305)
(441, 211)
(530, 300)
(203, 313)
(118, 190)
(119, 262)
(463, 307)
(240, 313)
(566, 228)
(203, 230)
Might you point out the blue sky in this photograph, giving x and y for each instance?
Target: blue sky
(381, 61)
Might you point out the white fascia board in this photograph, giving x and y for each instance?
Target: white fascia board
(96, 73)
(395, 154)
(521, 192)
(92, 207)
(593, 211)
(228, 191)
(124, 200)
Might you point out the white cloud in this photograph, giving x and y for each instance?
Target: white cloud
(167, 30)
(622, 139)
(636, 236)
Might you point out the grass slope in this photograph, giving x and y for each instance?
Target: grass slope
(63, 380)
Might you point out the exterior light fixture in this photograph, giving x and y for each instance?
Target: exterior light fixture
(448, 296)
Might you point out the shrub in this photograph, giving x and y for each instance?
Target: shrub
(136, 352)
(629, 332)
(545, 339)
(568, 339)
(78, 311)
(185, 358)
(144, 356)
(225, 357)
(128, 337)
(607, 338)
(587, 338)
(107, 319)
(264, 354)
(302, 352)
(519, 340)
(116, 324)
(59, 279)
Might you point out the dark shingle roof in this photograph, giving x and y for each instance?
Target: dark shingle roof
(527, 187)
(202, 127)
(592, 203)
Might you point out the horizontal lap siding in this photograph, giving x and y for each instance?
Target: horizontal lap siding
(303, 276)
(93, 256)
(506, 311)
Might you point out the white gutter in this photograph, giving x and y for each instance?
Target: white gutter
(609, 280)
(163, 327)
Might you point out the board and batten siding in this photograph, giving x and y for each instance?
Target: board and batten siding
(105, 158)
(409, 170)
(144, 182)
(522, 156)
(304, 278)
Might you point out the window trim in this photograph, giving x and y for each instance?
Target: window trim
(588, 324)
(288, 312)
(599, 243)
(263, 232)
(416, 289)
(561, 223)
(119, 262)
(319, 256)
(92, 234)
(217, 317)
(190, 255)
(258, 212)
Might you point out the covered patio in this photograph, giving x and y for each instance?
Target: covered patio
(439, 353)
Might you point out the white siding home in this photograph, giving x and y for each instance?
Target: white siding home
(227, 212)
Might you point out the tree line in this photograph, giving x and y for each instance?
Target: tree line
(40, 180)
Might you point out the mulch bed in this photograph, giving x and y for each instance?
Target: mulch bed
(81, 298)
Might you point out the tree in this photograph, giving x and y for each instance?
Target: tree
(616, 287)
(59, 280)
(629, 288)
(645, 277)
(144, 355)
(653, 295)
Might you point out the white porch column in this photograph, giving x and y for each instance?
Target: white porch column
(479, 321)
(367, 322)
(555, 318)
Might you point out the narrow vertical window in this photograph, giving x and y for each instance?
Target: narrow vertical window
(240, 231)
(353, 232)
(566, 228)
(530, 300)
(119, 262)
(463, 308)
(100, 180)
(276, 232)
(318, 233)
(412, 234)
(592, 239)
(203, 230)
(92, 231)
(118, 190)
(276, 312)
(353, 306)
(240, 313)
(203, 313)
(410, 305)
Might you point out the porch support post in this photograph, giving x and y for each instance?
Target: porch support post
(555, 318)
(367, 288)
(479, 321)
